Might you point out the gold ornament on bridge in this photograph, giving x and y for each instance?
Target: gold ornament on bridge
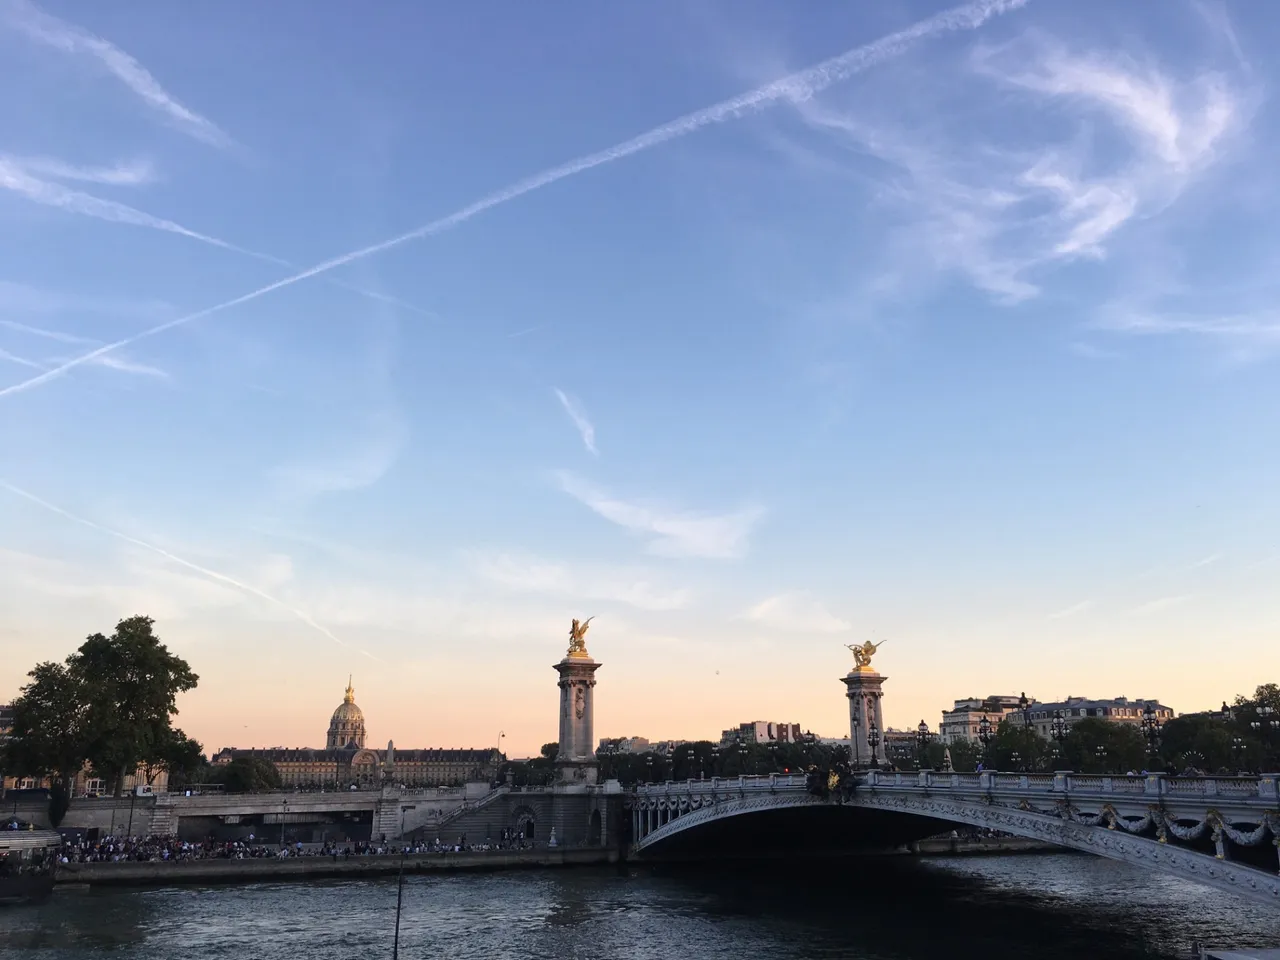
(577, 638)
(862, 653)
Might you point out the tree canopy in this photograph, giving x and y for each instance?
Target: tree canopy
(110, 706)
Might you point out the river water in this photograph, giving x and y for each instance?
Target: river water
(1051, 907)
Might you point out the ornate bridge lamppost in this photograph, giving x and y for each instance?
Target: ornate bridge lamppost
(922, 742)
(1237, 750)
(1058, 729)
(873, 741)
(1151, 729)
(648, 762)
(773, 756)
(1265, 725)
(1025, 706)
(742, 756)
(715, 760)
(1101, 753)
(1016, 759)
(986, 736)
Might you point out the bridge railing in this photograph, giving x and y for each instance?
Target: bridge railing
(1262, 788)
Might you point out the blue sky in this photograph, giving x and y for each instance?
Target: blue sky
(387, 342)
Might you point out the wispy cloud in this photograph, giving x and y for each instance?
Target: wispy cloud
(44, 28)
(57, 335)
(797, 612)
(112, 361)
(20, 179)
(669, 531)
(172, 558)
(796, 87)
(998, 211)
(579, 418)
(21, 361)
(537, 575)
(1084, 606)
(1161, 604)
(130, 174)
(116, 362)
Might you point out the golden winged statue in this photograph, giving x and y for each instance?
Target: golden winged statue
(862, 653)
(577, 635)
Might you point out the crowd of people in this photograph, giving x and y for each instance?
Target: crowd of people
(113, 849)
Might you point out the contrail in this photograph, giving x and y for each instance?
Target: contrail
(204, 571)
(795, 87)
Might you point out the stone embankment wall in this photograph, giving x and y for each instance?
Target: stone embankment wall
(947, 846)
(102, 813)
(303, 868)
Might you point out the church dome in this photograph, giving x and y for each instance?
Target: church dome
(346, 726)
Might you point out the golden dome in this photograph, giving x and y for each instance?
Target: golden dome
(346, 726)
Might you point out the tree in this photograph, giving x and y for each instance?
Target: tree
(51, 733)
(1197, 740)
(1017, 748)
(177, 755)
(1094, 745)
(249, 775)
(132, 681)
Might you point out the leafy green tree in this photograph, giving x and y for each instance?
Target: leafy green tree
(177, 755)
(132, 681)
(1094, 745)
(1018, 748)
(51, 733)
(249, 774)
(965, 755)
(1207, 739)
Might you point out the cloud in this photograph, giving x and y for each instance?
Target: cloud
(797, 612)
(112, 361)
(214, 575)
(670, 532)
(1162, 603)
(342, 470)
(796, 87)
(122, 175)
(579, 418)
(997, 210)
(16, 177)
(1084, 606)
(116, 362)
(41, 27)
(530, 574)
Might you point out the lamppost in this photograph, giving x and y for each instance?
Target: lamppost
(1016, 759)
(1025, 706)
(1151, 729)
(742, 756)
(1237, 750)
(922, 741)
(773, 756)
(1101, 753)
(648, 762)
(1265, 725)
(284, 810)
(1058, 729)
(715, 760)
(985, 735)
(856, 731)
(873, 741)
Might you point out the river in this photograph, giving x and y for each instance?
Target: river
(1051, 907)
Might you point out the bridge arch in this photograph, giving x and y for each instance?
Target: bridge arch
(669, 825)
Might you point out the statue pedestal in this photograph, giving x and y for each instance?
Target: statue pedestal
(576, 759)
(863, 688)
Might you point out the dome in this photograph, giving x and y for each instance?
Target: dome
(346, 726)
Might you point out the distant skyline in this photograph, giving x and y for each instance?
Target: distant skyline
(386, 343)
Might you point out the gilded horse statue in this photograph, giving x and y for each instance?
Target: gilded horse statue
(863, 653)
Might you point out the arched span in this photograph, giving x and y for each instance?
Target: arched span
(896, 819)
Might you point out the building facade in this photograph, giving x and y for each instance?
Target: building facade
(1075, 709)
(762, 731)
(346, 762)
(963, 720)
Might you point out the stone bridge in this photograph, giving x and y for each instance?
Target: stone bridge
(1223, 832)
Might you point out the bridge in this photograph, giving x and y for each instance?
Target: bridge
(1223, 832)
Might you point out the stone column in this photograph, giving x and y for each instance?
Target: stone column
(862, 687)
(576, 759)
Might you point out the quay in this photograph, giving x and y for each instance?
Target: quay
(254, 870)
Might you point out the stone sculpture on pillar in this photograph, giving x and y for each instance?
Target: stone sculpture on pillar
(863, 688)
(576, 758)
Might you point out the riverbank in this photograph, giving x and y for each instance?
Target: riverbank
(957, 847)
(155, 872)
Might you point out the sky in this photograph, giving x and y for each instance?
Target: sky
(384, 342)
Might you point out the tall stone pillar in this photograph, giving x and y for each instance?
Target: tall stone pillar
(576, 759)
(863, 688)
